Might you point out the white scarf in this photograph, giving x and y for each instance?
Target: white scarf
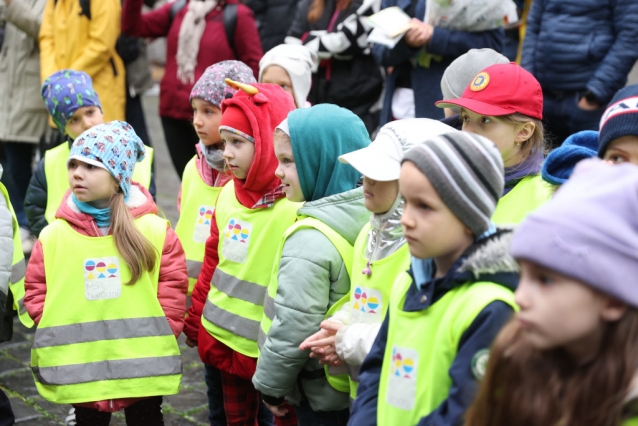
(190, 35)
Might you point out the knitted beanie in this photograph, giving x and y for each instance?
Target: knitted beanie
(113, 146)
(212, 86)
(460, 73)
(560, 163)
(66, 91)
(298, 62)
(620, 118)
(466, 170)
(588, 230)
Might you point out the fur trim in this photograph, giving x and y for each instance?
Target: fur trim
(491, 255)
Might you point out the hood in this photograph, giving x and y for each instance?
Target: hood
(344, 212)
(140, 202)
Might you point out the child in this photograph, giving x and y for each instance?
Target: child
(315, 256)
(380, 251)
(106, 285)
(618, 138)
(289, 66)
(560, 163)
(445, 312)
(74, 107)
(249, 218)
(569, 356)
(504, 103)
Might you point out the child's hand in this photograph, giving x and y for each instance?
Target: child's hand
(277, 410)
(191, 343)
(322, 343)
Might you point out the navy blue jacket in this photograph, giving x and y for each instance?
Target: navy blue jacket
(478, 336)
(578, 45)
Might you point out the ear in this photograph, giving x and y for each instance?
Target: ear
(525, 131)
(612, 310)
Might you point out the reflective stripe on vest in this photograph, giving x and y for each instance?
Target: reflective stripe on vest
(369, 294)
(193, 227)
(18, 267)
(248, 240)
(98, 338)
(337, 376)
(529, 194)
(57, 176)
(422, 345)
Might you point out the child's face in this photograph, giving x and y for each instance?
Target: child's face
(559, 311)
(91, 184)
(206, 118)
(239, 153)
(379, 196)
(623, 150)
(275, 74)
(287, 169)
(507, 136)
(82, 120)
(430, 227)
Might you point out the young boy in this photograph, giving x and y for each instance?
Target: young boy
(445, 312)
(74, 107)
(289, 66)
(618, 137)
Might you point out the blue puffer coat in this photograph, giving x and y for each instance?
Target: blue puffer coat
(575, 45)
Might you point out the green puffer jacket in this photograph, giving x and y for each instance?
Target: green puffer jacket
(312, 277)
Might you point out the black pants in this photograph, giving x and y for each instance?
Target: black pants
(181, 139)
(147, 412)
(135, 117)
(6, 413)
(17, 175)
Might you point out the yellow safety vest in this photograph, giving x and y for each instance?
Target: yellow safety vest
(18, 268)
(528, 195)
(421, 347)
(337, 376)
(196, 212)
(369, 294)
(248, 240)
(58, 176)
(99, 339)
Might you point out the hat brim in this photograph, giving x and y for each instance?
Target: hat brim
(373, 164)
(476, 106)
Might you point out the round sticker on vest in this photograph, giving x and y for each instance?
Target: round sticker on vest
(480, 82)
(479, 363)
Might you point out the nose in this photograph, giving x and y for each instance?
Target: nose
(406, 218)
(278, 172)
(87, 123)
(521, 296)
(227, 153)
(197, 122)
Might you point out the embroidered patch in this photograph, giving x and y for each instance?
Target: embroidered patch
(401, 389)
(479, 363)
(202, 224)
(102, 278)
(237, 240)
(367, 305)
(480, 82)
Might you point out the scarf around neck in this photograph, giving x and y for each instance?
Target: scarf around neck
(102, 216)
(190, 35)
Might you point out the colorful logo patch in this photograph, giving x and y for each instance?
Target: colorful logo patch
(237, 240)
(401, 389)
(201, 230)
(367, 304)
(480, 82)
(102, 278)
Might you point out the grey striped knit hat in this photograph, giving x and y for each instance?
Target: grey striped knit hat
(467, 172)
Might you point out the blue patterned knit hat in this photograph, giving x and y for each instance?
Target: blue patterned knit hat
(65, 91)
(113, 146)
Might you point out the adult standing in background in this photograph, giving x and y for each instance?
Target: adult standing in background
(581, 52)
(195, 39)
(274, 18)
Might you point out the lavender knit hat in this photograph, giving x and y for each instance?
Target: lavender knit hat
(589, 230)
(212, 86)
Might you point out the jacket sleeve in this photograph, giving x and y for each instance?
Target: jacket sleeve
(35, 201)
(479, 336)
(25, 18)
(104, 30)
(299, 26)
(202, 287)
(47, 47)
(35, 284)
(173, 282)
(151, 24)
(533, 25)
(303, 297)
(456, 43)
(247, 41)
(354, 341)
(259, 8)
(611, 74)
(6, 254)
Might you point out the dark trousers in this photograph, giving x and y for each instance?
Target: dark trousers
(17, 175)
(6, 413)
(308, 417)
(147, 412)
(181, 139)
(135, 117)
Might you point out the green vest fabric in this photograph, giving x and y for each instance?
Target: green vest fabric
(18, 268)
(421, 347)
(58, 176)
(98, 338)
(248, 240)
(337, 376)
(369, 294)
(528, 195)
(196, 213)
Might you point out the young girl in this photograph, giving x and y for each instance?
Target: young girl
(569, 356)
(289, 66)
(504, 103)
(315, 256)
(106, 285)
(444, 313)
(380, 251)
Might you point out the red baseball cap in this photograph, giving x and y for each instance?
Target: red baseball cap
(501, 89)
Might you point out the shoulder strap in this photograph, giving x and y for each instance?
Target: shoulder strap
(230, 23)
(175, 7)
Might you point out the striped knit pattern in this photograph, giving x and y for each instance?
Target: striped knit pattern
(467, 172)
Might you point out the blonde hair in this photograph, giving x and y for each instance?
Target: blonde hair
(281, 135)
(536, 142)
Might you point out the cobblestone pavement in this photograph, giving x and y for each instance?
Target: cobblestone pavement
(189, 407)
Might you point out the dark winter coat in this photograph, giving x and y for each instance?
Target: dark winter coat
(274, 18)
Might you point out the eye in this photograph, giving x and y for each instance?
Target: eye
(424, 206)
(465, 118)
(545, 279)
(286, 161)
(90, 166)
(73, 120)
(236, 141)
(617, 159)
(208, 111)
(486, 120)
